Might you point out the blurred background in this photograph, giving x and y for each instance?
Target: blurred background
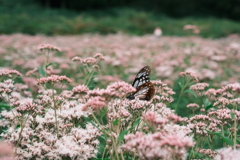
(215, 19)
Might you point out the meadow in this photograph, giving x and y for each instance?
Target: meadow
(64, 97)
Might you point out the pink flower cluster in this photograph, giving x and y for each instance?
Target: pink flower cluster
(199, 86)
(120, 89)
(163, 91)
(28, 106)
(208, 152)
(6, 86)
(80, 89)
(227, 154)
(49, 47)
(54, 79)
(38, 137)
(96, 103)
(193, 106)
(90, 60)
(6, 151)
(189, 75)
(158, 145)
(154, 120)
(9, 73)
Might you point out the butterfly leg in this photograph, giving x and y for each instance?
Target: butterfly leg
(147, 98)
(131, 97)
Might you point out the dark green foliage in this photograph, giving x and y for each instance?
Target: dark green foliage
(29, 17)
(174, 8)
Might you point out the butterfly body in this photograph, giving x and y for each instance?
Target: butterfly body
(144, 88)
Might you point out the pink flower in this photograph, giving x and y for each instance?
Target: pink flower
(89, 61)
(221, 102)
(6, 151)
(189, 75)
(158, 145)
(54, 79)
(234, 87)
(77, 59)
(106, 93)
(31, 83)
(121, 89)
(153, 119)
(227, 154)
(28, 106)
(49, 47)
(80, 89)
(150, 116)
(208, 152)
(124, 113)
(95, 103)
(193, 106)
(7, 86)
(199, 86)
(9, 73)
(99, 56)
(175, 118)
(175, 140)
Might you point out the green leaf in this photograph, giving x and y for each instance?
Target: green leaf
(228, 140)
(207, 104)
(180, 85)
(102, 144)
(238, 141)
(115, 122)
(232, 115)
(50, 64)
(208, 107)
(121, 135)
(136, 122)
(4, 105)
(190, 91)
(41, 72)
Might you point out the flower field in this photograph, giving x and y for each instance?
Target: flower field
(64, 97)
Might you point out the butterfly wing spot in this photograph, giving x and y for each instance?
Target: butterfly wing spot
(135, 84)
(140, 83)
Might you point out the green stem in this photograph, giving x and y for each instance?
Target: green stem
(115, 148)
(104, 153)
(55, 113)
(122, 155)
(178, 100)
(209, 143)
(89, 77)
(181, 93)
(134, 156)
(46, 62)
(102, 128)
(20, 133)
(235, 132)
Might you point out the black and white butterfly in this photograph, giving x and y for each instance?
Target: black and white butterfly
(145, 89)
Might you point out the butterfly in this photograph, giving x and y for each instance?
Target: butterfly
(145, 89)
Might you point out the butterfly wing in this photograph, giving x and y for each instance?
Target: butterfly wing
(142, 77)
(145, 91)
(144, 88)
